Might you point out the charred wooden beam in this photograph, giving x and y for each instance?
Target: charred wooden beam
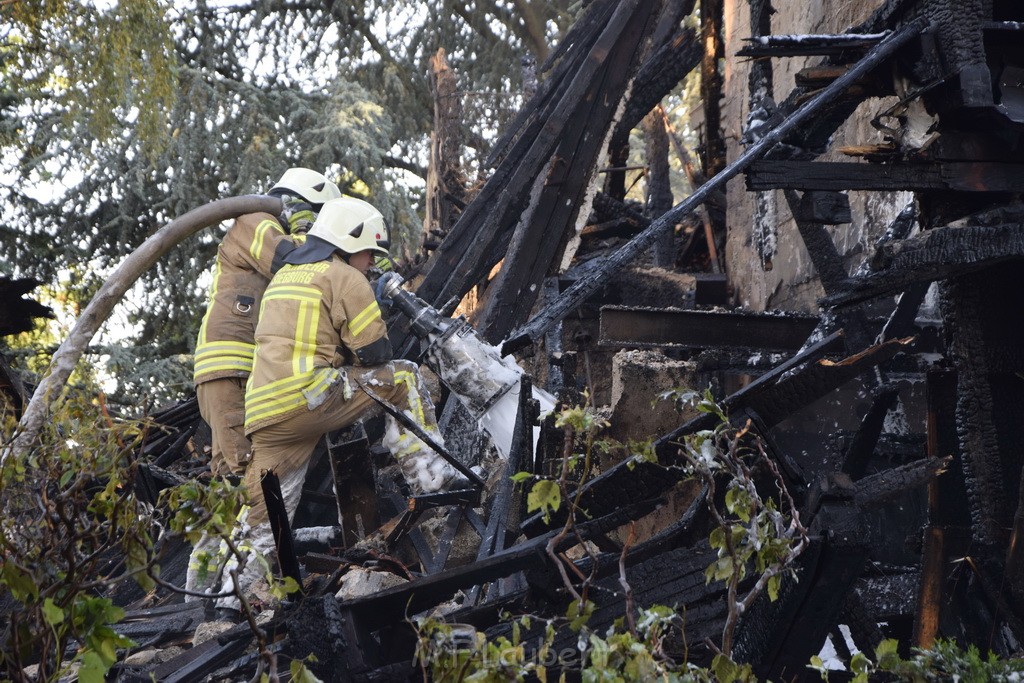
(661, 327)
(349, 454)
(891, 484)
(659, 74)
(497, 535)
(933, 255)
(862, 447)
(809, 45)
(576, 294)
(675, 577)
(780, 638)
(825, 208)
(961, 176)
(983, 425)
(200, 661)
(280, 526)
(819, 244)
(543, 229)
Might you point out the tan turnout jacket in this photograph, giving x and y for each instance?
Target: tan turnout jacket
(313, 319)
(251, 251)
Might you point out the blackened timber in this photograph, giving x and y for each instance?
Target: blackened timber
(195, 664)
(819, 244)
(862, 447)
(893, 483)
(379, 609)
(543, 230)
(584, 287)
(564, 59)
(674, 577)
(807, 45)
(277, 512)
(961, 176)
(935, 254)
(659, 75)
(663, 327)
(778, 394)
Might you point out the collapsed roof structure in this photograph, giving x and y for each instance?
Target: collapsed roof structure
(893, 413)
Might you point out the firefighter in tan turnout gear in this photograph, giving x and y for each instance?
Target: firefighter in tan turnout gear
(250, 253)
(320, 336)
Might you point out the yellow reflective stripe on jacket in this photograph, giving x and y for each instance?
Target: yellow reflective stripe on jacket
(287, 398)
(225, 348)
(365, 317)
(219, 356)
(223, 363)
(277, 387)
(256, 248)
(210, 300)
(306, 323)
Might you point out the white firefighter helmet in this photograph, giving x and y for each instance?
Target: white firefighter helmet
(352, 226)
(312, 186)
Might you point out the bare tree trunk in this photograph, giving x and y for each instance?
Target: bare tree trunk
(112, 291)
(659, 189)
(445, 181)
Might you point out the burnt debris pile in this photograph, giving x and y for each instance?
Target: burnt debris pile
(893, 413)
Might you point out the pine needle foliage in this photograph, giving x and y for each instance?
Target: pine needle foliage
(116, 117)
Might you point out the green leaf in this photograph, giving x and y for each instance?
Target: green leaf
(725, 670)
(774, 583)
(53, 614)
(520, 477)
(860, 665)
(92, 669)
(579, 615)
(21, 584)
(300, 674)
(818, 665)
(284, 587)
(544, 496)
(887, 654)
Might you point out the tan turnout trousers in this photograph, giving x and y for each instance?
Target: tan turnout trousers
(285, 447)
(222, 405)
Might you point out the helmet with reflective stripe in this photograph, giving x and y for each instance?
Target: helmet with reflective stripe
(314, 187)
(351, 225)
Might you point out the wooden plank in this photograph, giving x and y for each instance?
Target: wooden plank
(806, 211)
(808, 45)
(961, 176)
(862, 447)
